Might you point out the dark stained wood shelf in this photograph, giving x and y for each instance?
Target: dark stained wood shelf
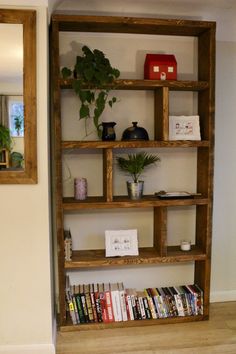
(138, 25)
(72, 145)
(129, 84)
(69, 327)
(147, 255)
(160, 253)
(70, 203)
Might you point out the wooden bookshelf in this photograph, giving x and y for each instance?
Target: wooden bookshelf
(160, 253)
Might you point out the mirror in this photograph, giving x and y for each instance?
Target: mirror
(18, 155)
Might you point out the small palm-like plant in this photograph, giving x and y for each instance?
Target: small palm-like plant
(135, 164)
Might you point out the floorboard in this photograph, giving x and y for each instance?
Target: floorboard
(216, 336)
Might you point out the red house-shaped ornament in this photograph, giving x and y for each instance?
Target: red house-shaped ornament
(160, 67)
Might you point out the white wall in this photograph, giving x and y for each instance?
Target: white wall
(223, 285)
(26, 310)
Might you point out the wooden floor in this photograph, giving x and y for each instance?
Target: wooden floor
(218, 335)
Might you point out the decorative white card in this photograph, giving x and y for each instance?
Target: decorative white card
(184, 128)
(121, 243)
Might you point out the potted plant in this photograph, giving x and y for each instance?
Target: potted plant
(17, 159)
(93, 73)
(134, 166)
(5, 143)
(5, 138)
(18, 123)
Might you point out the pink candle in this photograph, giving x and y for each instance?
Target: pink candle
(80, 188)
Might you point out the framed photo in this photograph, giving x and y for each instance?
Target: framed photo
(184, 128)
(121, 243)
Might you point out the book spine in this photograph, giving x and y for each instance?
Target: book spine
(142, 309)
(76, 309)
(123, 305)
(116, 305)
(147, 309)
(71, 306)
(157, 304)
(161, 302)
(89, 307)
(179, 303)
(103, 307)
(129, 307)
(80, 308)
(194, 299)
(200, 298)
(98, 306)
(85, 309)
(109, 306)
(171, 298)
(138, 308)
(92, 298)
(151, 303)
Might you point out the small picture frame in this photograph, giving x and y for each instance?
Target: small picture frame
(184, 128)
(121, 243)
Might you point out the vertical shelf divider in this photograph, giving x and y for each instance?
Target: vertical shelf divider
(160, 230)
(161, 113)
(108, 174)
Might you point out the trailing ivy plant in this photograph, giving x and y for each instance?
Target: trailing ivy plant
(93, 73)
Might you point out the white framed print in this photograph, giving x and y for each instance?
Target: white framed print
(121, 243)
(184, 128)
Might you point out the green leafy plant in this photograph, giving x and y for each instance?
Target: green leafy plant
(18, 123)
(5, 138)
(135, 164)
(17, 159)
(93, 73)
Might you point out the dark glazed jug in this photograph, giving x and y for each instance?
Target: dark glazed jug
(108, 131)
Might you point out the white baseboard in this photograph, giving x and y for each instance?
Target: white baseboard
(223, 296)
(28, 349)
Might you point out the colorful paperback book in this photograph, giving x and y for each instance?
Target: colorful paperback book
(151, 304)
(116, 305)
(92, 298)
(141, 296)
(178, 301)
(122, 302)
(70, 301)
(102, 298)
(97, 303)
(84, 303)
(108, 298)
(129, 305)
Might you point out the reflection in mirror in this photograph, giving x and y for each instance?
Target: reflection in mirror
(17, 97)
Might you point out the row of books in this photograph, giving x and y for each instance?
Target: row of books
(110, 302)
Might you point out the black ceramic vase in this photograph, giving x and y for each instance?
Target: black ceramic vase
(135, 133)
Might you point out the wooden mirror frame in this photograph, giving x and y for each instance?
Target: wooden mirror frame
(28, 175)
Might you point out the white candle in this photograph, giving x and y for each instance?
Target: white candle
(185, 245)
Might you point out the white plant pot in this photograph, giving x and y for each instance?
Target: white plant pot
(135, 190)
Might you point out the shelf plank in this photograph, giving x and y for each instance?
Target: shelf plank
(74, 144)
(117, 24)
(71, 204)
(68, 327)
(131, 84)
(147, 255)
